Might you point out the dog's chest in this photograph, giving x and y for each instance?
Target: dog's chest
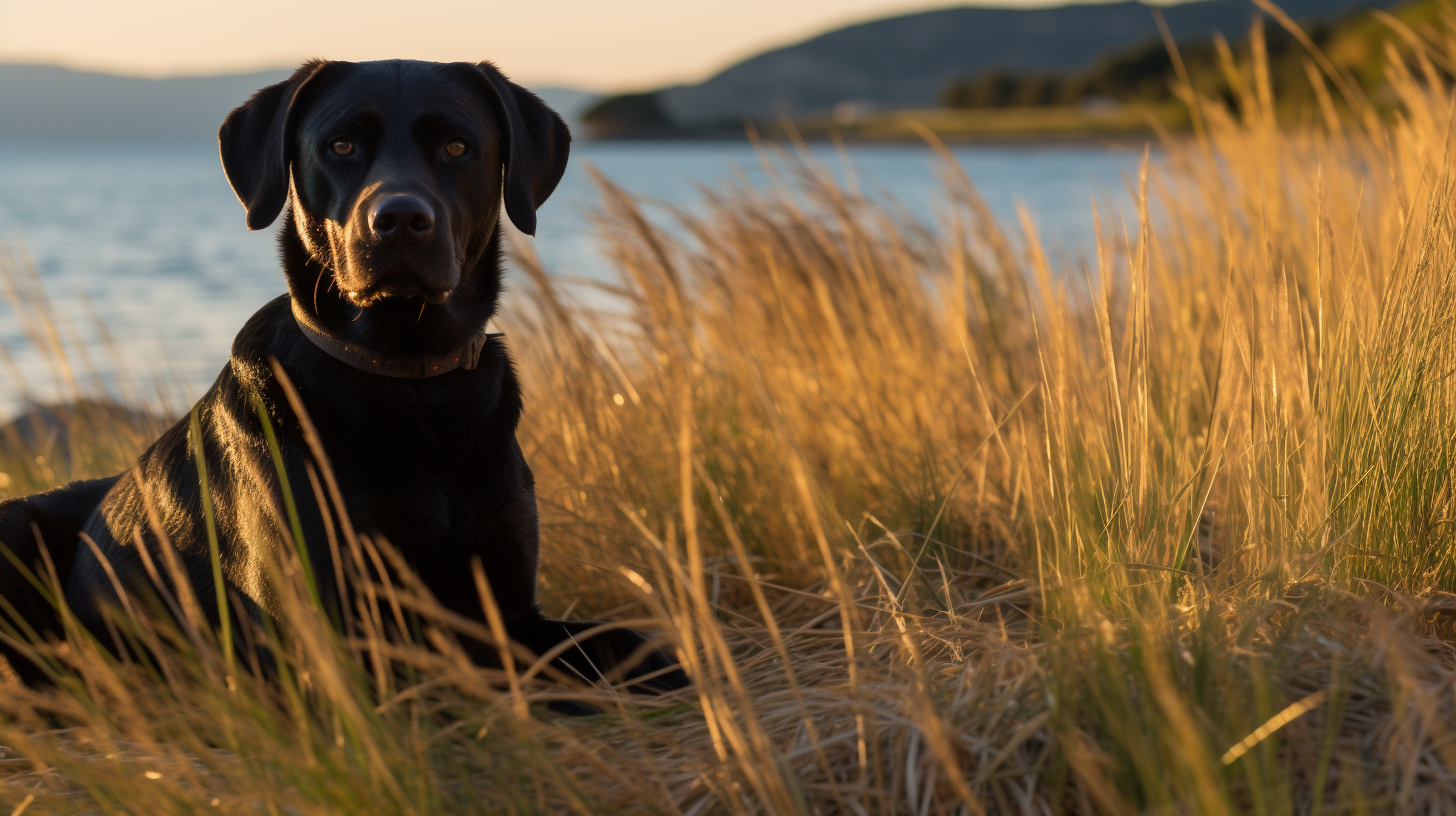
(421, 490)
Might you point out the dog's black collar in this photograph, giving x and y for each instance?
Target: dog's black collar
(467, 356)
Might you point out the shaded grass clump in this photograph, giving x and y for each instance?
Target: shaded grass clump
(936, 527)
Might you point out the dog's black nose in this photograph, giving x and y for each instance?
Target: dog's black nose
(402, 217)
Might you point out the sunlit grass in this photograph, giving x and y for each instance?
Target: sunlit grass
(936, 527)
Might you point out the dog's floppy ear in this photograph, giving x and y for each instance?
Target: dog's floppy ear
(536, 144)
(253, 141)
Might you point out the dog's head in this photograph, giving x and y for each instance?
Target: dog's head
(394, 173)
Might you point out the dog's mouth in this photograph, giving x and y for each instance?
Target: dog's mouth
(374, 295)
(402, 283)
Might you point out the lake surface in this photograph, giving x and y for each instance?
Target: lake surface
(148, 239)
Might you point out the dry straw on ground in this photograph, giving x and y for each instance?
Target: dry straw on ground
(937, 527)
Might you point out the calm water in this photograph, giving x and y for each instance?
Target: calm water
(150, 240)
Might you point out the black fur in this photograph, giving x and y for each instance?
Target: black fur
(432, 465)
(52, 520)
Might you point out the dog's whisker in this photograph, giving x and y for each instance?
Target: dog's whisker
(316, 283)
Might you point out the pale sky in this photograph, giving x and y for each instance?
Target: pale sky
(594, 44)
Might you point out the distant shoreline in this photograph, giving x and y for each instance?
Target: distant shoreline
(1118, 125)
(1098, 140)
(1050, 140)
(1110, 141)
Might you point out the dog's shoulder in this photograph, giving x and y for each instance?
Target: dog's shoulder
(270, 332)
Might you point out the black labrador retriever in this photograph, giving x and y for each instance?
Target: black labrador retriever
(392, 176)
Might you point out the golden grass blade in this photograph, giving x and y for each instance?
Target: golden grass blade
(1290, 713)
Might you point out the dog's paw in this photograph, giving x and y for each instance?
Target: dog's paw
(660, 672)
(654, 672)
(614, 656)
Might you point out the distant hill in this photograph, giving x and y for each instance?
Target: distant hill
(571, 103)
(1145, 73)
(1130, 94)
(904, 62)
(49, 103)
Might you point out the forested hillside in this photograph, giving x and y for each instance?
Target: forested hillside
(962, 55)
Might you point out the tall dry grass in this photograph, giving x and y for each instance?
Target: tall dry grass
(936, 526)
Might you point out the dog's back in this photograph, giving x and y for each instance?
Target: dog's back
(54, 518)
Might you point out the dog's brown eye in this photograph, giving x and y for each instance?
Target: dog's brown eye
(456, 149)
(343, 147)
